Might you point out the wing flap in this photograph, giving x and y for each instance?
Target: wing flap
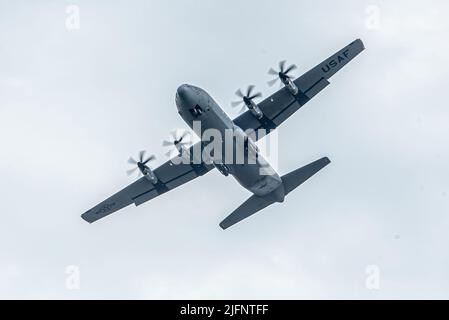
(270, 106)
(316, 88)
(142, 198)
(181, 179)
(285, 113)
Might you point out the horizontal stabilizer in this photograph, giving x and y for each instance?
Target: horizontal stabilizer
(248, 208)
(295, 178)
(290, 181)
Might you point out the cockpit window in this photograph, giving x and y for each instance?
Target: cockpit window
(196, 111)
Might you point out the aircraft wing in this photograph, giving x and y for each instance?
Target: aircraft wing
(170, 175)
(282, 104)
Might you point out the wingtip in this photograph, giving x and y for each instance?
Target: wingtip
(222, 226)
(361, 43)
(326, 160)
(85, 217)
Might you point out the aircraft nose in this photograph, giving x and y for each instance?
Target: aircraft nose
(182, 94)
(185, 97)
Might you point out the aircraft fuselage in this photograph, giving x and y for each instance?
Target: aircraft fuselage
(254, 172)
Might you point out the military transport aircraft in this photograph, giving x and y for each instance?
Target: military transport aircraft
(194, 104)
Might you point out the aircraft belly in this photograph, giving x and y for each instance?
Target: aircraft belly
(259, 178)
(253, 178)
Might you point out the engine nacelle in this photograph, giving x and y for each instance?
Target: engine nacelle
(149, 175)
(289, 84)
(254, 109)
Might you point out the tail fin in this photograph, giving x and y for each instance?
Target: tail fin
(290, 181)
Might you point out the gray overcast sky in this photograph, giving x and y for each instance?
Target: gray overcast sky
(75, 104)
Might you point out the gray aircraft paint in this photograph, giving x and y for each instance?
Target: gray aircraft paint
(93, 94)
(247, 174)
(211, 124)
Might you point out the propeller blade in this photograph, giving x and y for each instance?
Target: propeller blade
(273, 72)
(292, 67)
(150, 158)
(257, 95)
(183, 135)
(236, 103)
(132, 161)
(131, 171)
(282, 65)
(141, 155)
(245, 98)
(239, 93)
(249, 90)
(272, 82)
(166, 143)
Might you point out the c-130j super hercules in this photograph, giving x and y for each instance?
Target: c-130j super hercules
(195, 105)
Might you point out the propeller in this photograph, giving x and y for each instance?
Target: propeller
(177, 141)
(139, 164)
(246, 99)
(282, 74)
